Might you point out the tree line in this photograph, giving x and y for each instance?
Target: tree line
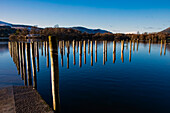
(70, 34)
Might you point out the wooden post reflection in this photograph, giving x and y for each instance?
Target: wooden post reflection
(149, 46)
(47, 47)
(88, 47)
(161, 48)
(74, 54)
(137, 44)
(122, 49)
(130, 52)
(42, 48)
(91, 53)
(18, 62)
(33, 66)
(95, 51)
(133, 45)
(24, 63)
(20, 58)
(84, 51)
(37, 56)
(164, 47)
(103, 52)
(68, 51)
(27, 46)
(54, 73)
(10, 48)
(80, 53)
(77, 46)
(114, 51)
(63, 48)
(106, 50)
(127, 44)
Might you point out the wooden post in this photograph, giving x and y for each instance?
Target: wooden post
(54, 73)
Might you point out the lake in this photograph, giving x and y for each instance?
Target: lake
(91, 76)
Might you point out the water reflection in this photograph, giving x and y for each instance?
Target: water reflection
(26, 57)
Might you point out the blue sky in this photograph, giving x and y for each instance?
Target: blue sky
(112, 15)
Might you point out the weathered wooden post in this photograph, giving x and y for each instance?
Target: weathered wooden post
(33, 66)
(84, 51)
(91, 53)
(161, 48)
(95, 51)
(54, 73)
(164, 47)
(28, 64)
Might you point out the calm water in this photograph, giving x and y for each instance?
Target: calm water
(91, 77)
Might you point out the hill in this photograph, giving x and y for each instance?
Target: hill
(16, 26)
(90, 31)
(166, 30)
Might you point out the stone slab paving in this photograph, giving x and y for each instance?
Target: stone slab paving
(21, 99)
